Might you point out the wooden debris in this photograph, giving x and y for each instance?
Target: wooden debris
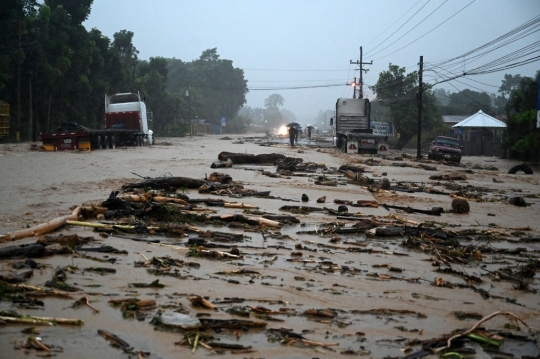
(435, 211)
(200, 302)
(115, 340)
(41, 229)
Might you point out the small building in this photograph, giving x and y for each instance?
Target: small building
(449, 121)
(480, 135)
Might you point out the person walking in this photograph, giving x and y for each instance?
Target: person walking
(291, 135)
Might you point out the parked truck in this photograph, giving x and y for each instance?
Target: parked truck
(125, 123)
(352, 132)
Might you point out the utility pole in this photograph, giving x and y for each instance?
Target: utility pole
(419, 97)
(360, 91)
(189, 110)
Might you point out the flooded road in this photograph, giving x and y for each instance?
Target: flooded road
(321, 293)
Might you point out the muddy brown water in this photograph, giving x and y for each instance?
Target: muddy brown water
(282, 284)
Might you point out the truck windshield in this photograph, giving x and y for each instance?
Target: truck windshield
(130, 97)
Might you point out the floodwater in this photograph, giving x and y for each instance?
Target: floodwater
(378, 310)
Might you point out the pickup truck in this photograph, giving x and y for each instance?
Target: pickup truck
(445, 148)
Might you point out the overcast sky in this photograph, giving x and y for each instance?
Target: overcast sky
(307, 43)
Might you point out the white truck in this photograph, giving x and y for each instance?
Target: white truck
(125, 118)
(125, 124)
(352, 132)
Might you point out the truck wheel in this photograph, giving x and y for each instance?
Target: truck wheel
(113, 142)
(106, 142)
(99, 143)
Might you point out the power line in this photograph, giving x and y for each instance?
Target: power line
(512, 32)
(424, 19)
(294, 70)
(395, 22)
(463, 8)
(509, 41)
(405, 23)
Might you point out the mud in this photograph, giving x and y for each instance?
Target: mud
(38, 186)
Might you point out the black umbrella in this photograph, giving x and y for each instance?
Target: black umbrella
(310, 127)
(293, 124)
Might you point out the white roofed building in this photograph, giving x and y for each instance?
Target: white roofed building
(480, 134)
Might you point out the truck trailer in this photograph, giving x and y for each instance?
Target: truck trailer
(352, 131)
(125, 123)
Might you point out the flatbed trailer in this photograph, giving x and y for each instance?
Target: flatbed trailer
(125, 125)
(86, 140)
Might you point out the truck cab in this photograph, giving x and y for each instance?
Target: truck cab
(352, 132)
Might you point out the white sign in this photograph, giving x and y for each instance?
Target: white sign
(382, 128)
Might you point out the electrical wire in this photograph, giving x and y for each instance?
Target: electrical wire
(405, 34)
(463, 8)
(520, 28)
(392, 34)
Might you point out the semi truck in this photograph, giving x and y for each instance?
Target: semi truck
(352, 130)
(125, 123)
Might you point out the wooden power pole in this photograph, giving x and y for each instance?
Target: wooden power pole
(419, 97)
(360, 91)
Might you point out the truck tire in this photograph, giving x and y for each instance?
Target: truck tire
(99, 143)
(113, 142)
(106, 142)
(523, 167)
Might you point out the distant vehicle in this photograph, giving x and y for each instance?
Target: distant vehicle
(352, 132)
(445, 148)
(125, 124)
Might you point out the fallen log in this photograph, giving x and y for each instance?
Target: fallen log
(41, 229)
(300, 209)
(41, 320)
(169, 199)
(115, 340)
(243, 158)
(28, 251)
(366, 203)
(243, 219)
(230, 323)
(167, 182)
(435, 211)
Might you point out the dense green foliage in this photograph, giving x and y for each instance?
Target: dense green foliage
(522, 137)
(53, 70)
(398, 91)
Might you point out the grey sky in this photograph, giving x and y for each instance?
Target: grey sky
(291, 43)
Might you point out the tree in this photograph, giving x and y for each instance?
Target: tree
(128, 56)
(272, 115)
(443, 96)
(509, 83)
(78, 10)
(522, 136)
(397, 90)
(468, 102)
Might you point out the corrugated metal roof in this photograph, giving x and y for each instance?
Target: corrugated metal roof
(453, 118)
(480, 119)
